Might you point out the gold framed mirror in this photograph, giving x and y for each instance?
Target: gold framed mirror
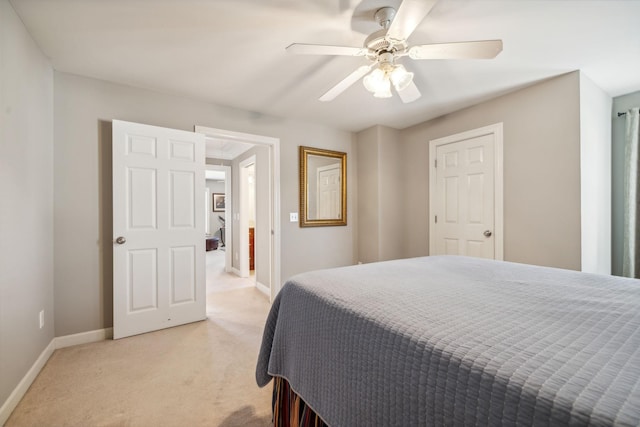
(323, 187)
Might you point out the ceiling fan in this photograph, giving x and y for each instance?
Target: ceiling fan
(385, 46)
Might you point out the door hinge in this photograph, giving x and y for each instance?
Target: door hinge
(436, 161)
(436, 219)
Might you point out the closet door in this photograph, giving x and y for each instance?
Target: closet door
(466, 194)
(465, 199)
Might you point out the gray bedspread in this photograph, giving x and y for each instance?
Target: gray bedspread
(458, 341)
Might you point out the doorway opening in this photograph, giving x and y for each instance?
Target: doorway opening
(219, 275)
(218, 199)
(250, 200)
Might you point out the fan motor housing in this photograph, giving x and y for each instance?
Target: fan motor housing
(378, 43)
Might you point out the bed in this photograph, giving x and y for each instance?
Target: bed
(454, 341)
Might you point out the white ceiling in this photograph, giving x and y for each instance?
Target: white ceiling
(232, 52)
(217, 148)
(214, 175)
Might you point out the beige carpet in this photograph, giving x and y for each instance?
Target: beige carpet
(201, 374)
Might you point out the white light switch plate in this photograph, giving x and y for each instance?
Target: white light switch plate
(293, 216)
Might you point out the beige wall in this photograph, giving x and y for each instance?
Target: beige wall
(26, 208)
(84, 108)
(317, 247)
(541, 171)
(392, 195)
(381, 195)
(368, 195)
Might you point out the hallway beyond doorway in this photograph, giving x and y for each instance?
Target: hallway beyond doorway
(219, 280)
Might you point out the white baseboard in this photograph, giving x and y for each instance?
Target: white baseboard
(14, 398)
(235, 271)
(264, 289)
(84, 338)
(58, 342)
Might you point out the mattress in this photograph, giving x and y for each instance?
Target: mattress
(457, 341)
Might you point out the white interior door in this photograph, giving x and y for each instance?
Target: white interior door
(463, 203)
(158, 228)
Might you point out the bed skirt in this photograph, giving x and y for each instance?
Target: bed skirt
(289, 410)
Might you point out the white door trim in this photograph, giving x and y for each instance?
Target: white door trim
(243, 237)
(228, 223)
(274, 155)
(207, 203)
(497, 132)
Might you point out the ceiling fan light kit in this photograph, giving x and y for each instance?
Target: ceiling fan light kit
(378, 83)
(401, 78)
(384, 46)
(379, 80)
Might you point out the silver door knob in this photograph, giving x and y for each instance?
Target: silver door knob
(487, 233)
(120, 240)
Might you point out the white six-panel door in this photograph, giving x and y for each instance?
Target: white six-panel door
(158, 228)
(466, 197)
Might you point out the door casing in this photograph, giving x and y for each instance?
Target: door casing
(243, 250)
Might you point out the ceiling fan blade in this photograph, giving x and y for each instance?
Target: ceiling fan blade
(346, 83)
(482, 49)
(410, 93)
(318, 49)
(409, 15)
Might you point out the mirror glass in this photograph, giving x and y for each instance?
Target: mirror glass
(323, 187)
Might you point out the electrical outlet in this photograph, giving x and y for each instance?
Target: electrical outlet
(293, 216)
(41, 319)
